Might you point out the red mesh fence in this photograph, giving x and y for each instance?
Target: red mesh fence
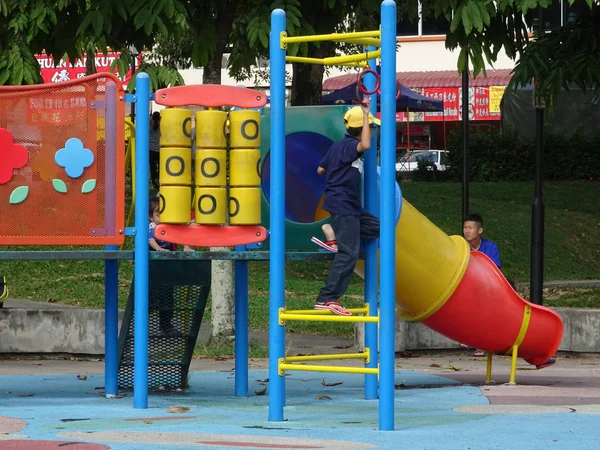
(62, 158)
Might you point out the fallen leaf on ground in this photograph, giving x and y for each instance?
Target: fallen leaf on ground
(435, 365)
(399, 386)
(261, 392)
(457, 369)
(343, 346)
(26, 395)
(178, 409)
(81, 377)
(223, 357)
(324, 383)
(323, 397)
(147, 422)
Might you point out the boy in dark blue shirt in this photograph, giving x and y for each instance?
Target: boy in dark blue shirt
(472, 229)
(350, 222)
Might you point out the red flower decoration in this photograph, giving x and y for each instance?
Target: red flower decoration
(12, 156)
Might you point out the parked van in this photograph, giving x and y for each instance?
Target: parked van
(410, 160)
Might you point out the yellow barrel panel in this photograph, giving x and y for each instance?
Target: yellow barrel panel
(210, 206)
(244, 167)
(244, 206)
(211, 168)
(244, 129)
(176, 128)
(429, 265)
(175, 204)
(175, 166)
(210, 129)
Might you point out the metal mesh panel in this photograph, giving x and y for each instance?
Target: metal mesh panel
(62, 163)
(178, 291)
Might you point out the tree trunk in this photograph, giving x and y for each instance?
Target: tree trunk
(90, 61)
(224, 24)
(307, 79)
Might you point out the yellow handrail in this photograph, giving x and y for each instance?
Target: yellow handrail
(338, 356)
(335, 60)
(282, 367)
(285, 39)
(361, 41)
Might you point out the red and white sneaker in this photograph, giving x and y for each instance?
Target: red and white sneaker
(334, 307)
(327, 245)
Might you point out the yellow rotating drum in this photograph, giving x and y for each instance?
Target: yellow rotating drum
(176, 128)
(175, 204)
(244, 167)
(244, 129)
(211, 168)
(244, 206)
(211, 128)
(210, 206)
(175, 166)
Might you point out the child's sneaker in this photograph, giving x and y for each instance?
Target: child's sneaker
(334, 307)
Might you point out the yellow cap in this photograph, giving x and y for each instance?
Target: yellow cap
(354, 118)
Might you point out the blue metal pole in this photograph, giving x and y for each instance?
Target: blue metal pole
(111, 325)
(277, 253)
(388, 213)
(140, 338)
(372, 206)
(241, 325)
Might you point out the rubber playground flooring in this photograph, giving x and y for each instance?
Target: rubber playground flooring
(440, 403)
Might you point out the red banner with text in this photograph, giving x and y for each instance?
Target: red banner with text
(65, 71)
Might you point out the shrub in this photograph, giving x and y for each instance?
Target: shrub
(505, 156)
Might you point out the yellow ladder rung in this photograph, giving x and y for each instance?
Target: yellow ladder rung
(335, 369)
(366, 355)
(329, 318)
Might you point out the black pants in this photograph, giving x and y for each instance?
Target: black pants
(154, 164)
(349, 231)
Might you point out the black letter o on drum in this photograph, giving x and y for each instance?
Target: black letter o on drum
(188, 120)
(245, 123)
(161, 200)
(168, 166)
(237, 206)
(217, 167)
(212, 209)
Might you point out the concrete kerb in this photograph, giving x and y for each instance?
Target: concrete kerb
(37, 327)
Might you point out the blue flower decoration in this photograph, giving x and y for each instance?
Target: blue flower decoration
(74, 158)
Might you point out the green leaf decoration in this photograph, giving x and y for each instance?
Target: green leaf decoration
(88, 186)
(59, 186)
(19, 195)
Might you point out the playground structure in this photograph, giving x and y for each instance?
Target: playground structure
(427, 276)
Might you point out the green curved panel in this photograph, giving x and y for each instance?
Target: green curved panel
(327, 121)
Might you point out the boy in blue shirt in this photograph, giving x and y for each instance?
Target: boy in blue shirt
(350, 222)
(472, 229)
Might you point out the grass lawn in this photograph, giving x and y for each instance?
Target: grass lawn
(572, 251)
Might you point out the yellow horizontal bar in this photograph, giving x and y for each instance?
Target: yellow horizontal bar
(329, 37)
(366, 370)
(335, 60)
(361, 41)
(324, 312)
(338, 356)
(333, 318)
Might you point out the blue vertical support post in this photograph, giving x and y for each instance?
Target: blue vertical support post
(277, 253)
(241, 325)
(111, 267)
(140, 304)
(388, 247)
(111, 325)
(372, 206)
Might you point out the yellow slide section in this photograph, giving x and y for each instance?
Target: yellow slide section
(429, 265)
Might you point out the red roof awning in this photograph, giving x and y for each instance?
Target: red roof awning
(439, 78)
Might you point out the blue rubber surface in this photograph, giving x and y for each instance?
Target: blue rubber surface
(55, 406)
